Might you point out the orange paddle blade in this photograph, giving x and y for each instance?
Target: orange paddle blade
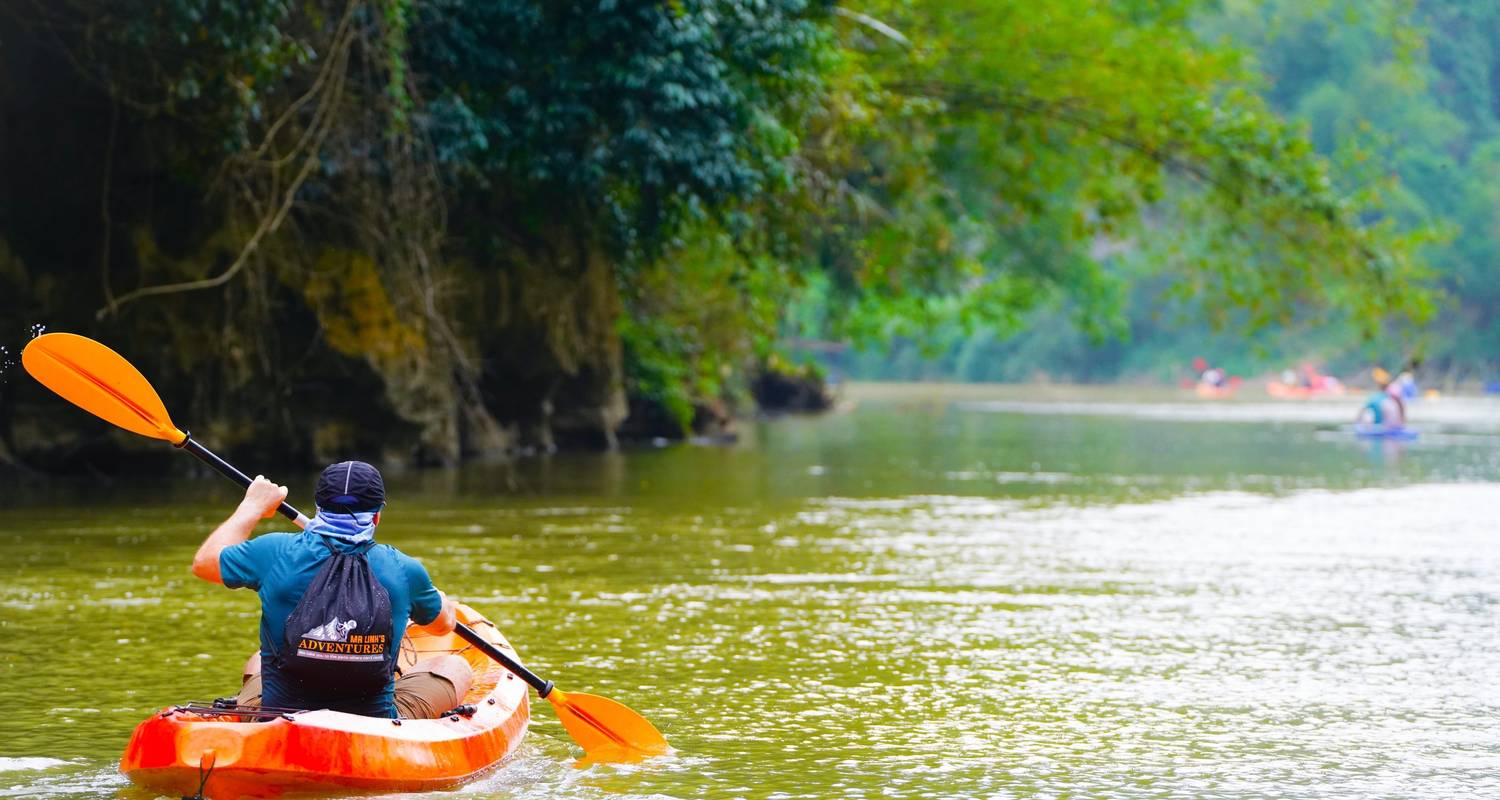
(606, 730)
(101, 382)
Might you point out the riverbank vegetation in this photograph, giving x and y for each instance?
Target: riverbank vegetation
(1403, 98)
(443, 229)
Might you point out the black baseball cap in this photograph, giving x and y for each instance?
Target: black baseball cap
(350, 486)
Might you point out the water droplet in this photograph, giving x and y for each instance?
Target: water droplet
(7, 354)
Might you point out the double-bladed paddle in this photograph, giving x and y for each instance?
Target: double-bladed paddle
(101, 382)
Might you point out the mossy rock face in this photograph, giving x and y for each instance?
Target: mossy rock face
(356, 314)
(360, 318)
(45, 444)
(332, 440)
(651, 421)
(791, 389)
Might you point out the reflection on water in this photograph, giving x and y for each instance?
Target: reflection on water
(914, 599)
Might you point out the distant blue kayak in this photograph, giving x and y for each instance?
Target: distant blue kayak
(1399, 432)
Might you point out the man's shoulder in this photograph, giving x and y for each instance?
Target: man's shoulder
(265, 541)
(250, 562)
(390, 550)
(396, 556)
(409, 566)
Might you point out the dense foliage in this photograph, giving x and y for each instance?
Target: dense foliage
(449, 227)
(1415, 87)
(1404, 99)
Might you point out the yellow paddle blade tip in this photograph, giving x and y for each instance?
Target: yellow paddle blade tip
(608, 731)
(99, 381)
(616, 755)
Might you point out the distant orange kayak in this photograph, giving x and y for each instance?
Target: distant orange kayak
(1220, 390)
(328, 752)
(1280, 389)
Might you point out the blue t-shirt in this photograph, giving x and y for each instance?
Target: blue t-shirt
(281, 565)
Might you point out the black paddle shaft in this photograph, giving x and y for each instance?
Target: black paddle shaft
(228, 470)
(535, 681)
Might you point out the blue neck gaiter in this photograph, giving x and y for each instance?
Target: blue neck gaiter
(356, 528)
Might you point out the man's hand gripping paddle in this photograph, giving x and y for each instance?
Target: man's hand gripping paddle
(101, 382)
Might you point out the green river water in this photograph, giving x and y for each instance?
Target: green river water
(937, 593)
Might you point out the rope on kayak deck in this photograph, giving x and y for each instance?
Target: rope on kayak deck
(203, 774)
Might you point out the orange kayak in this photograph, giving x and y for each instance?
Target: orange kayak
(1278, 389)
(323, 752)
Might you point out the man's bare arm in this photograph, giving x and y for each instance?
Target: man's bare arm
(261, 500)
(446, 619)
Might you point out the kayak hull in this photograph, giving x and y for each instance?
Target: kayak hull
(330, 752)
(1393, 432)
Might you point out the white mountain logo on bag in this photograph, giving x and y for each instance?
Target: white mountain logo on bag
(332, 631)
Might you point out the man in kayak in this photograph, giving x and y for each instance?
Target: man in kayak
(282, 567)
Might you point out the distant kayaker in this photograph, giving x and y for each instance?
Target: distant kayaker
(1407, 384)
(1385, 407)
(334, 605)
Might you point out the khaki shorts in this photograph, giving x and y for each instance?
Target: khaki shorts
(420, 695)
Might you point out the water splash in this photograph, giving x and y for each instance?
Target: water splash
(8, 356)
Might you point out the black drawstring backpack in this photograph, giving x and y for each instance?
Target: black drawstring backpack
(338, 638)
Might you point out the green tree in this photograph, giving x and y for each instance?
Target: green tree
(503, 220)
